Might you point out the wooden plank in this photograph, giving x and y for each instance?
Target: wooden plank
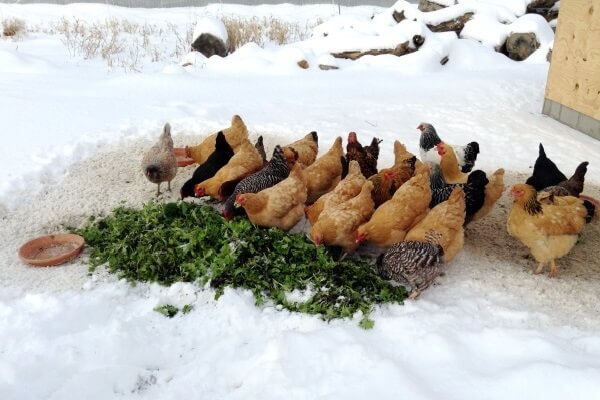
(574, 77)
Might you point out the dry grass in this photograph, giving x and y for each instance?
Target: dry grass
(13, 27)
(120, 43)
(126, 45)
(262, 31)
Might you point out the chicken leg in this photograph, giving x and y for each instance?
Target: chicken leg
(158, 190)
(169, 186)
(553, 270)
(539, 269)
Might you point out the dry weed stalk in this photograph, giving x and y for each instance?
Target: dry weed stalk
(262, 31)
(125, 44)
(13, 27)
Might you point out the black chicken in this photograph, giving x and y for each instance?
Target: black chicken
(572, 186)
(547, 177)
(218, 159)
(545, 172)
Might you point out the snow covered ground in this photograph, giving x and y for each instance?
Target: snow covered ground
(73, 134)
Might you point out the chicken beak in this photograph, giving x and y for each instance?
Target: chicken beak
(318, 240)
(239, 201)
(358, 238)
(199, 191)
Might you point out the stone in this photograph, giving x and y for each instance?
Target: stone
(543, 8)
(398, 16)
(519, 46)
(540, 4)
(303, 64)
(430, 5)
(209, 45)
(398, 51)
(455, 25)
(418, 40)
(327, 67)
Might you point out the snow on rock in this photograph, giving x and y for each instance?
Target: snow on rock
(535, 24)
(470, 55)
(211, 25)
(485, 29)
(501, 14)
(535, 36)
(518, 7)
(210, 37)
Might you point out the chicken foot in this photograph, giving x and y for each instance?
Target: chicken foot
(158, 190)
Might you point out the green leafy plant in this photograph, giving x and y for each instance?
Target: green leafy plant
(167, 310)
(188, 242)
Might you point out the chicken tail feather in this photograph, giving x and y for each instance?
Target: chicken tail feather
(345, 166)
(591, 210)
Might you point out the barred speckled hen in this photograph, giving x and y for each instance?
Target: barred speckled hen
(412, 264)
(276, 170)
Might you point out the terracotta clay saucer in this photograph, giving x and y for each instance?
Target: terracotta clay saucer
(51, 250)
(182, 159)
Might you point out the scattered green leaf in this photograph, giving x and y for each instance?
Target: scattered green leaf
(167, 310)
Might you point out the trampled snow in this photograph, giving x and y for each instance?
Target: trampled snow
(73, 134)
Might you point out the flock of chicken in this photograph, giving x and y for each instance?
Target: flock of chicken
(416, 209)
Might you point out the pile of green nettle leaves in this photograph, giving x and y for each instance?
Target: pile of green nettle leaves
(188, 242)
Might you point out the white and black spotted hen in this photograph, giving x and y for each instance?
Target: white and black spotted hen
(276, 170)
(466, 155)
(412, 264)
